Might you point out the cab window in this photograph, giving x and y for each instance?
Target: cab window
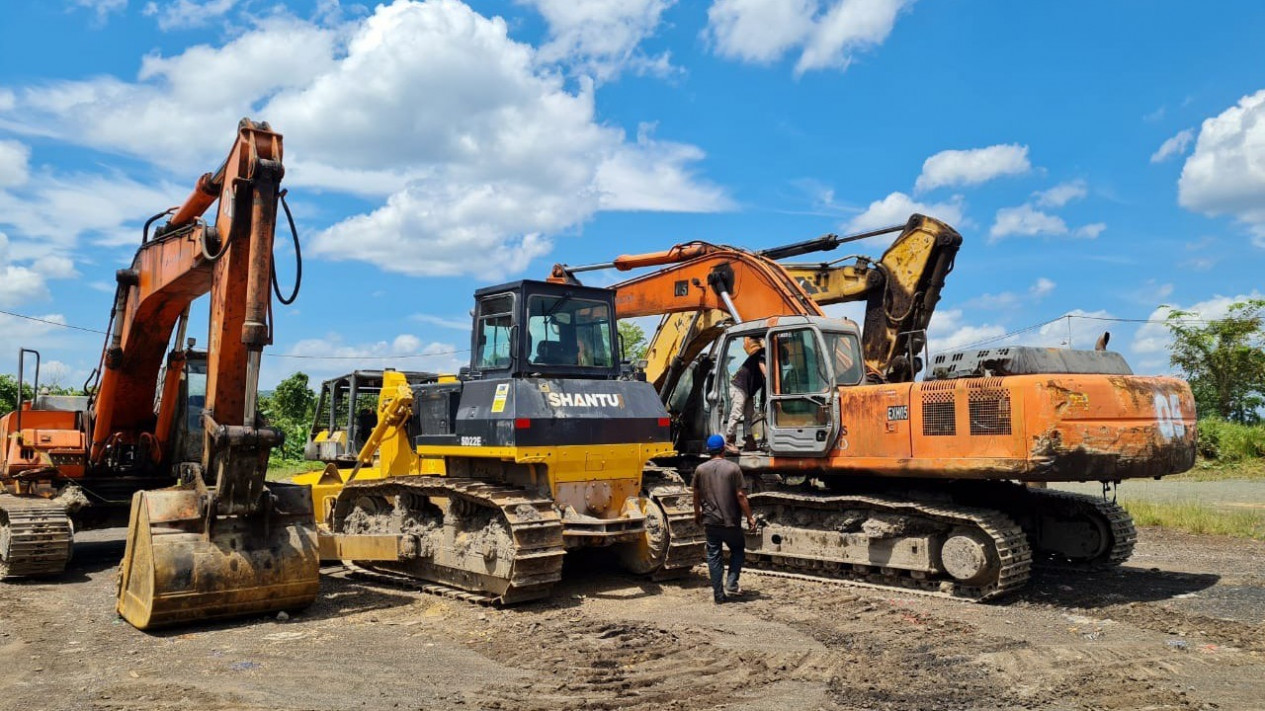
(496, 317)
(845, 355)
(567, 331)
(799, 364)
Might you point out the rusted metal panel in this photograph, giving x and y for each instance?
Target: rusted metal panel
(874, 422)
(1030, 428)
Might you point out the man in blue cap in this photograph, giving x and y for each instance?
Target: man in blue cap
(720, 497)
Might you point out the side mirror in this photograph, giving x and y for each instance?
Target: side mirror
(514, 342)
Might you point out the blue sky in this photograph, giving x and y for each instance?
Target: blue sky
(1100, 159)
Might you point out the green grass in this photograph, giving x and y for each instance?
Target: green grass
(1229, 441)
(281, 471)
(1198, 518)
(1214, 470)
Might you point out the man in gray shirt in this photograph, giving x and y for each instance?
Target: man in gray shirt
(719, 495)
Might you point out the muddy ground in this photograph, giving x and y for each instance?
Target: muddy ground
(1180, 627)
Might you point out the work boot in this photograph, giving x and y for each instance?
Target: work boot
(748, 444)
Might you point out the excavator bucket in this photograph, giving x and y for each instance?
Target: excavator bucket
(182, 565)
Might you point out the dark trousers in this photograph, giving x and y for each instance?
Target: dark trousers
(718, 536)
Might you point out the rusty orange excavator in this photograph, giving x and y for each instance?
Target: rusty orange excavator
(207, 538)
(857, 470)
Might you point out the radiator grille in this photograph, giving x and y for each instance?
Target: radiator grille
(990, 412)
(938, 417)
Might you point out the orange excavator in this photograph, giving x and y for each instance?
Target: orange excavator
(856, 470)
(174, 434)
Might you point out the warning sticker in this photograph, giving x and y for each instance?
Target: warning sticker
(498, 401)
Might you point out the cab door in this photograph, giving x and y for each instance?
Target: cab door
(802, 408)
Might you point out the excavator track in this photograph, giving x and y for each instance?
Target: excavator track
(685, 538)
(988, 551)
(1107, 518)
(476, 541)
(36, 537)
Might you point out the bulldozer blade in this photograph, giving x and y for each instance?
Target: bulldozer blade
(181, 567)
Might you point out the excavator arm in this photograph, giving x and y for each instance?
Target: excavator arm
(700, 287)
(240, 546)
(186, 259)
(901, 291)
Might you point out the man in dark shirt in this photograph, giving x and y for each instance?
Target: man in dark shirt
(719, 495)
(746, 383)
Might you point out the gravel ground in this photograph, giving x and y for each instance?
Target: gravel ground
(1179, 627)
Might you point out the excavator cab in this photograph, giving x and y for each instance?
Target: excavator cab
(806, 360)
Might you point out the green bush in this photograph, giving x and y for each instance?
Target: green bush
(1229, 441)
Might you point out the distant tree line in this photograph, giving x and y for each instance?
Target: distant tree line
(1223, 360)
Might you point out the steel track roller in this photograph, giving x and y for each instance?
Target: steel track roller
(36, 537)
(486, 542)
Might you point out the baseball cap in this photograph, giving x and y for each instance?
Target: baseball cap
(716, 443)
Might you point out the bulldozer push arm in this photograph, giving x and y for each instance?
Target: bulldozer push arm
(238, 547)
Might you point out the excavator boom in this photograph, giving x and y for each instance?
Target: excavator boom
(240, 546)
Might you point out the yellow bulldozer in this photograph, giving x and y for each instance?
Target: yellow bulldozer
(476, 485)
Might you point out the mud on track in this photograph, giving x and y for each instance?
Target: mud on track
(1181, 627)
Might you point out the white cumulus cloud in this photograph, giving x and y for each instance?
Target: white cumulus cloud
(1061, 194)
(1026, 221)
(101, 8)
(1226, 173)
(1154, 337)
(827, 35)
(949, 331)
(602, 37)
(323, 358)
(1175, 146)
(474, 151)
(973, 166)
(14, 168)
(896, 208)
(1041, 287)
(187, 14)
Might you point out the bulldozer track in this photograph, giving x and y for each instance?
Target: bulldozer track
(685, 537)
(36, 537)
(1124, 536)
(1010, 546)
(523, 566)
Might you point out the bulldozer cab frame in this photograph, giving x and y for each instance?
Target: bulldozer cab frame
(541, 329)
(346, 414)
